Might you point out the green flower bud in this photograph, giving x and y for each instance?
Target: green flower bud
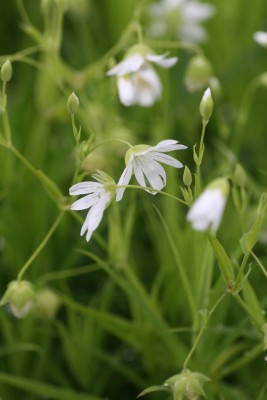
(20, 295)
(198, 73)
(263, 79)
(6, 71)
(72, 103)
(206, 106)
(239, 176)
(47, 304)
(187, 176)
(187, 385)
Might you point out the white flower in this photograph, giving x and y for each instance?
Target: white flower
(261, 38)
(99, 196)
(143, 161)
(207, 211)
(138, 83)
(181, 18)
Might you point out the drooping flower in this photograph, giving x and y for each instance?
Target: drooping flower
(207, 211)
(138, 82)
(143, 161)
(181, 19)
(98, 197)
(20, 295)
(261, 38)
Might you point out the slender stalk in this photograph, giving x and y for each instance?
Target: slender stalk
(180, 266)
(40, 247)
(199, 159)
(154, 190)
(171, 44)
(259, 264)
(200, 333)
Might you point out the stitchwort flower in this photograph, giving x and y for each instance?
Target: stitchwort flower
(98, 197)
(138, 82)
(207, 211)
(143, 161)
(181, 19)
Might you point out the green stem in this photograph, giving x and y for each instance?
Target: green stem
(242, 267)
(40, 247)
(154, 190)
(110, 140)
(200, 333)
(259, 264)
(59, 275)
(175, 45)
(199, 159)
(181, 269)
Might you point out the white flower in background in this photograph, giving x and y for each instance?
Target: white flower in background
(143, 161)
(98, 197)
(207, 211)
(138, 83)
(180, 18)
(261, 38)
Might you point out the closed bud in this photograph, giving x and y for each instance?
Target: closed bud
(263, 79)
(72, 103)
(47, 304)
(240, 176)
(206, 106)
(6, 71)
(187, 176)
(198, 73)
(20, 296)
(264, 330)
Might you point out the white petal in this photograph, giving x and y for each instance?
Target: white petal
(165, 159)
(147, 87)
(126, 91)
(161, 60)
(154, 173)
(95, 216)
(88, 201)
(168, 145)
(261, 38)
(138, 172)
(131, 64)
(124, 180)
(84, 188)
(192, 32)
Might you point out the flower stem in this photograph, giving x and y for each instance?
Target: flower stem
(111, 140)
(200, 333)
(199, 159)
(40, 247)
(259, 264)
(153, 190)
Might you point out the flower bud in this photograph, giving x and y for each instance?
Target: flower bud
(264, 330)
(72, 103)
(187, 176)
(47, 304)
(263, 79)
(187, 385)
(6, 71)
(21, 297)
(206, 106)
(240, 176)
(198, 73)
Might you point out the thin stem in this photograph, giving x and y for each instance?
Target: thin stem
(180, 266)
(199, 159)
(200, 333)
(175, 45)
(146, 188)
(242, 267)
(59, 275)
(40, 247)
(259, 264)
(111, 140)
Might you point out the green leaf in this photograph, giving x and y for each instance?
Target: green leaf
(155, 388)
(43, 389)
(223, 260)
